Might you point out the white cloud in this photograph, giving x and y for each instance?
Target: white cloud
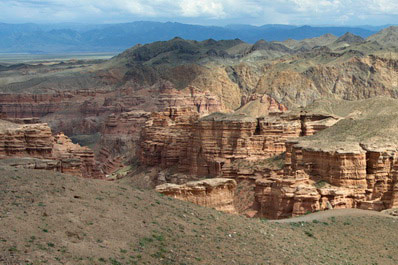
(197, 11)
(198, 8)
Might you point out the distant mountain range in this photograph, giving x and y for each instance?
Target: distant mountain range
(68, 38)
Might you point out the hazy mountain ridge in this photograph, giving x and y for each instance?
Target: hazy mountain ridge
(35, 38)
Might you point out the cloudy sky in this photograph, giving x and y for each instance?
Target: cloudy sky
(221, 12)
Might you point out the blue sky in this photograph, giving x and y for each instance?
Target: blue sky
(222, 12)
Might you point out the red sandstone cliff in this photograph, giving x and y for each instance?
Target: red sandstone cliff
(208, 146)
(58, 152)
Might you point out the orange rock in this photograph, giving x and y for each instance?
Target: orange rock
(37, 141)
(25, 140)
(75, 159)
(217, 193)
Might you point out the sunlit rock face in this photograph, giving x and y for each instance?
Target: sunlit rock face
(57, 152)
(217, 193)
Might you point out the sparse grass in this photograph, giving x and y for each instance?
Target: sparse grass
(309, 233)
(170, 231)
(321, 183)
(274, 163)
(370, 121)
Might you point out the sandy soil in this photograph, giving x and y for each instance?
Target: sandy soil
(50, 218)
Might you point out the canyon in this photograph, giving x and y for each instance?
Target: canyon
(270, 129)
(315, 171)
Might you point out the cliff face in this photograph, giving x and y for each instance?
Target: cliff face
(72, 112)
(348, 176)
(121, 132)
(218, 141)
(286, 197)
(209, 146)
(330, 161)
(56, 152)
(165, 139)
(217, 193)
(75, 159)
(25, 140)
(119, 137)
(25, 105)
(117, 116)
(217, 145)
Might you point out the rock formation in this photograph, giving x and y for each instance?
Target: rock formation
(208, 146)
(119, 137)
(53, 152)
(25, 140)
(350, 165)
(217, 193)
(165, 139)
(74, 159)
(285, 197)
(220, 139)
(117, 116)
(344, 157)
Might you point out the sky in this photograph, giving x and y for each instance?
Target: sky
(204, 12)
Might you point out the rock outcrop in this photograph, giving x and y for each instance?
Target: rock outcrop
(208, 146)
(116, 116)
(350, 165)
(217, 193)
(75, 159)
(119, 137)
(330, 161)
(165, 139)
(285, 197)
(25, 140)
(37, 141)
(220, 139)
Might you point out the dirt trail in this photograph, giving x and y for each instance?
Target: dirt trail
(333, 213)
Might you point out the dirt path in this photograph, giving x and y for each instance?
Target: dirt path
(333, 213)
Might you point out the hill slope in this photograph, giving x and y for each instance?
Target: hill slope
(58, 219)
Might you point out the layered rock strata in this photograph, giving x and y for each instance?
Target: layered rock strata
(165, 139)
(217, 193)
(119, 137)
(116, 116)
(208, 146)
(75, 159)
(25, 140)
(37, 141)
(347, 175)
(285, 197)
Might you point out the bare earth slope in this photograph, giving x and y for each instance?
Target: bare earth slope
(50, 218)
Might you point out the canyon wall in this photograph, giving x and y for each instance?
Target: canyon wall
(208, 146)
(318, 173)
(347, 175)
(115, 116)
(55, 152)
(218, 140)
